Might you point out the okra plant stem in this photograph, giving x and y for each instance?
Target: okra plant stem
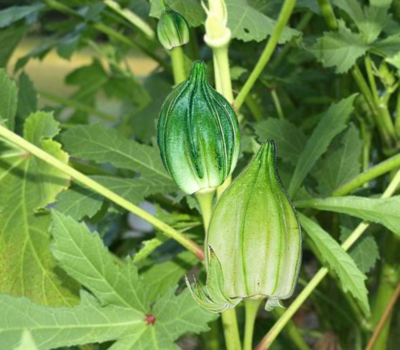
(368, 175)
(222, 73)
(328, 14)
(397, 125)
(178, 65)
(251, 307)
(205, 198)
(302, 297)
(283, 19)
(96, 187)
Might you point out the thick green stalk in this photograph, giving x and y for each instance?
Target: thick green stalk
(283, 19)
(222, 73)
(371, 78)
(329, 16)
(231, 332)
(205, 198)
(178, 65)
(368, 175)
(319, 276)
(251, 307)
(96, 187)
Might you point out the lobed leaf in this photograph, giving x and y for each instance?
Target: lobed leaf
(102, 145)
(83, 256)
(190, 9)
(28, 184)
(52, 328)
(162, 277)
(339, 49)
(78, 202)
(248, 23)
(120, 289)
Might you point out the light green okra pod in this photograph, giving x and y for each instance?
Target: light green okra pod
(253, 243)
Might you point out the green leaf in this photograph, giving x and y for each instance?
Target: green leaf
(331, 124)
(90, 79)
(144, 120)
(56, 327)
(289, 140)
(384, 211)
(9, 38)
(79, 202)
(175, 316)
(8, 100)
(83, 256)
(339, 49)
(27, 185)
(160, 278)
(103, 145)
(247, 23)
(365, 253)
(389, 46)
(27, 97)
(190, 9)
(27, 342)
(136, 190)
(351, 278)
(15, 13)
(370, 20)
(122, 84)
(340, 164)
(395, 61)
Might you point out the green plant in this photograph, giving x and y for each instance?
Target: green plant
(324, 86)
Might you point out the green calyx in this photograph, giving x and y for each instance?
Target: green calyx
(172, 28)
(198, 133)
(253, 243)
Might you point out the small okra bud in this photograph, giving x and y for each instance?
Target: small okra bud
(172, 28)
(198, 133)
(253, 243)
